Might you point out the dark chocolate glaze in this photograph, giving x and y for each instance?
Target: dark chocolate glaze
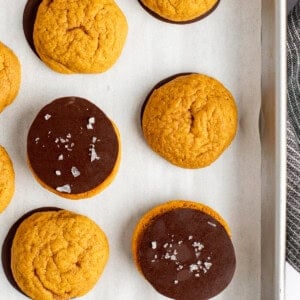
(160, 84)
(29, 15)
(157, 16)
(7, 244)
(61, 140)
(186, 255)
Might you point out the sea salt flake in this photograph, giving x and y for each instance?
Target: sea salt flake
(75, 172)
(167, 256)
(166, 245)
(173, 257)
(198, 246)
(94, 140)
(62, 140)
(197, 275)
(93, 154)
(154, 245)
(56, 140)
(180, 267)
(37, 140)
(180, 242)
(207, 265)
(61, 157)
(211, 224)
(176, 281)
(58, 173)
(69, 135)
(91, 123)
(193, 268)
(47, 117)
(64, 189)
(190, 237)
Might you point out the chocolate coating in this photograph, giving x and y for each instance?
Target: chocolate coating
(29, 15)
(186, 255)
(157, 16)
(7, 244)
(72, 146)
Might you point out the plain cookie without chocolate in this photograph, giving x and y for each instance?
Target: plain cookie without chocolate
(180, 11)
(85, 36)
(58, 255)
(7, 179)
(189, 120)
(10, 76)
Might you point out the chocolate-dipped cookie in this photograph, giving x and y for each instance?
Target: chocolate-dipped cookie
(179, 12)
(184, 250)
(73, 148)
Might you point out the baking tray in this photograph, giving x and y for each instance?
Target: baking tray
(120, 93)
(273, 141)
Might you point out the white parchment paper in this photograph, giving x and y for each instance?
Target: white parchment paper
(225, 45)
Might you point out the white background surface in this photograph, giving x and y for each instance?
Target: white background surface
(226, 45)
(292, 283)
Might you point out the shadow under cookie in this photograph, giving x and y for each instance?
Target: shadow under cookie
(29, 15)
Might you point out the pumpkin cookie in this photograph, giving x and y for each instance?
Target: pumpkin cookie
(7, 179)
(184, 250)
(10, 76)
(180, 11)
(58, 255)
(189, 120)
(85, 36)
(73, 148)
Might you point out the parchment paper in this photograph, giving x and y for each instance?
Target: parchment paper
(225, 45)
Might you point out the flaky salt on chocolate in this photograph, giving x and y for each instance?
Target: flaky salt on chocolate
(73, 148)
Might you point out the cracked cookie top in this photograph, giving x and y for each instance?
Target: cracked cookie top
(180, 11)
(58, 255)
(10, 76)
(189, 120)
(85, 36)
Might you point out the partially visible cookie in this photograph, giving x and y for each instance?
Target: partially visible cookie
(184, 250)
(180, 11)
(73, 148)
(85, 36)
(10, 76)
(189, 120)
(58, 255)
(7, 179)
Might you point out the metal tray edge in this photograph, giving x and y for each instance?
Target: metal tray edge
(273, 139)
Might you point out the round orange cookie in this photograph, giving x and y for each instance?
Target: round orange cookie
(58, 255)
(85, 36)
(180, 11)
(7, 179)
(189, 120)
(10, 76)
(184, 250)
